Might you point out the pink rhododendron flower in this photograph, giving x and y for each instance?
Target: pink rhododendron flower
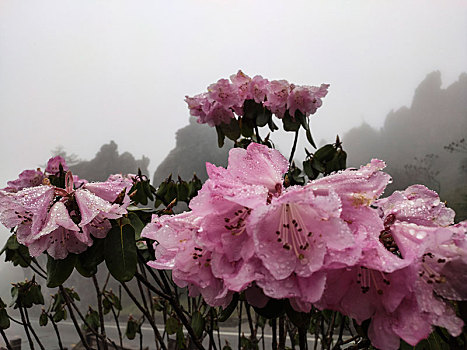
(53, 165)
(306, 99)
(224, 93)
(27, 178)
(294, 233)
(242, 83)
(61, 221)
(177, 249)
(276, 96)
(258, 88)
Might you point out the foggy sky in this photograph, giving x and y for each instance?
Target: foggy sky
(82, 73)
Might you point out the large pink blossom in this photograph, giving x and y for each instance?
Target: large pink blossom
(63, 220)
(178, 249)
(27, 178)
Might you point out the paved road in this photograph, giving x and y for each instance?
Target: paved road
(70, 337)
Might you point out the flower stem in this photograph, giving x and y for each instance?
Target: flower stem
(294, 147)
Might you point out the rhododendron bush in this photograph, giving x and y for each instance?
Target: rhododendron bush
(317, 247)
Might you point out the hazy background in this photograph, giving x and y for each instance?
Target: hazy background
(82, 73)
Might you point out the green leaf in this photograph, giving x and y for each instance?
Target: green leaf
(220, 136)
(137, 224)
(92, 319)
(309, 171)
(317, 165)
(58, 271)
(120, 252)
(289, 123)
(4, 320)
(180, 339)
(225, 313)
(310, 138)
(183, 191)
(325, 153)
(231, 130)
(132, 327)
(299, 319)
(273, 309)
(197, 323)
(87, 261)
(59, 315)
(17, 253)
(263, 117)
(43, 319)
(172, 325)
(247, 127)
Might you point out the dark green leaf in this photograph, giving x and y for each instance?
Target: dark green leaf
(225, 313)
(263, 117)
(4, 320)
(88, 260)
(180, 339)
(317, 165)
(325, 153)
(43, 319)
(289, 123)
(310, 138)
(120, 252)
(299, 319)
(231, 130)
(137, 224)
(132, 327)
(182, 191)
(309, 171)
(58, 271)
(197, 323)
(59, 315)
(247, 127)
(172, 325)
(273, 309)
(220, 136)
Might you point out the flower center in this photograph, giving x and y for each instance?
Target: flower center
(292, 232)
(427, 273)
(386, 237)
(367, 279)
(236, 224)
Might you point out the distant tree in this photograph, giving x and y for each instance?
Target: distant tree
(459, 146)
(193, 148)
(108, 161)
(71, 159)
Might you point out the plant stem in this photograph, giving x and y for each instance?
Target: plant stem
(25, 325)
(5, 339)
(32, 329)
(258, 138)
(120, 338)
(282, 334)
(99, 308)
(73, 318)
(250, 322)
(240, 326)
(302, 343)
(145, 313)
(56, 331)
(274, 333)
(294, 147)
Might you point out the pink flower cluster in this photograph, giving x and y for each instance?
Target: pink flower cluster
(331, 244)
(225, 98)
(61, 220)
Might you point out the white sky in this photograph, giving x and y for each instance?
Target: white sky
(81, 73)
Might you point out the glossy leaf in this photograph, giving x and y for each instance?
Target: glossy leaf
(120, 252)
(58, 271)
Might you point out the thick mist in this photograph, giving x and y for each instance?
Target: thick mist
(82, 73)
